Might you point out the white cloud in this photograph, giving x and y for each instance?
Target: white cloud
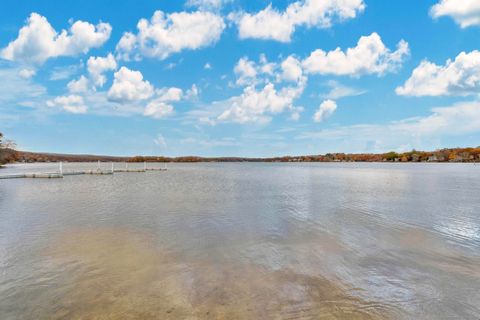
(27, 73)
(254, 106)
(158, 109)
(250, 73)
(208, 4)
(160, 141)
(207, 66)
(466, 13)
(291, 69)
(126, 47)
(270, 23)
(37, 41)
(97, 66)
(78, 86)
(71, 103)
(128, 86)
(456, 120)
(459, 77)
(169, 94)
(166, 34)
(326, 109)
(338, 91)
(296, 111)
(245, 71)
(459, 119)
(370, 56)
(193, 92)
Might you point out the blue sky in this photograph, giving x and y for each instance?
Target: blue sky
(239, 78)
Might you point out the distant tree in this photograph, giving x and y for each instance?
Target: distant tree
(2, 150)
(452, 156)
(7, 150)
(391, 156)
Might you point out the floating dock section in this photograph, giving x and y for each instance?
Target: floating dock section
(33, 176)
(61, 173)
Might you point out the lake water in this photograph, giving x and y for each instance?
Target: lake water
(243, 241)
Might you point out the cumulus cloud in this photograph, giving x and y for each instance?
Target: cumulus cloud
(125, 49)
(254, 105)
(460, 77)
(157, 109)
(170, 94)
(166, 34)
(249, 72)
(97, 66)
(269, 88)
(273, 24)
(78, 86)
(466, 13)
(291, 69)
(129, 86)
(162, 107)
(370, 56)
(326, 109)
(70, 103)
(245, 71)
(38, 41)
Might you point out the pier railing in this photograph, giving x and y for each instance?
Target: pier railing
(98, 171)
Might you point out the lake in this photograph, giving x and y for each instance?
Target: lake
(243, 241)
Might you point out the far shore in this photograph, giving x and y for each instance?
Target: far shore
(455, 155)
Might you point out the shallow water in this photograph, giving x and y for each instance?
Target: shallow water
(243, 241)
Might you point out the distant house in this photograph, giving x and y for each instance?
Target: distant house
(441, 157)
(432, 158)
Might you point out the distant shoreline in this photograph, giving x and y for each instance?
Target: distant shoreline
(459, 155)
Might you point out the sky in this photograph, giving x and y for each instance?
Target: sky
(239, 78)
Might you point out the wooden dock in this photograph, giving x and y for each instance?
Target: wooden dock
(33, 176)
(61, 173)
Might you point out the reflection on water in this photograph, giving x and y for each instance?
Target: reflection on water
(244, 241)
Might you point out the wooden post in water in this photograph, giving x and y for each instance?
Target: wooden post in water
(145, 165)
(126, 165)
(112, 168)
(61, 168)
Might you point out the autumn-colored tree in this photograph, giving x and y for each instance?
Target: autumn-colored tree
(7, 152)
(452, 156)
(391, 156)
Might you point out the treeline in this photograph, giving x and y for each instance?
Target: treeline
(443, 155)
(23, 156)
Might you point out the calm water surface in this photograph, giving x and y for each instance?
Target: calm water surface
(243, 241)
